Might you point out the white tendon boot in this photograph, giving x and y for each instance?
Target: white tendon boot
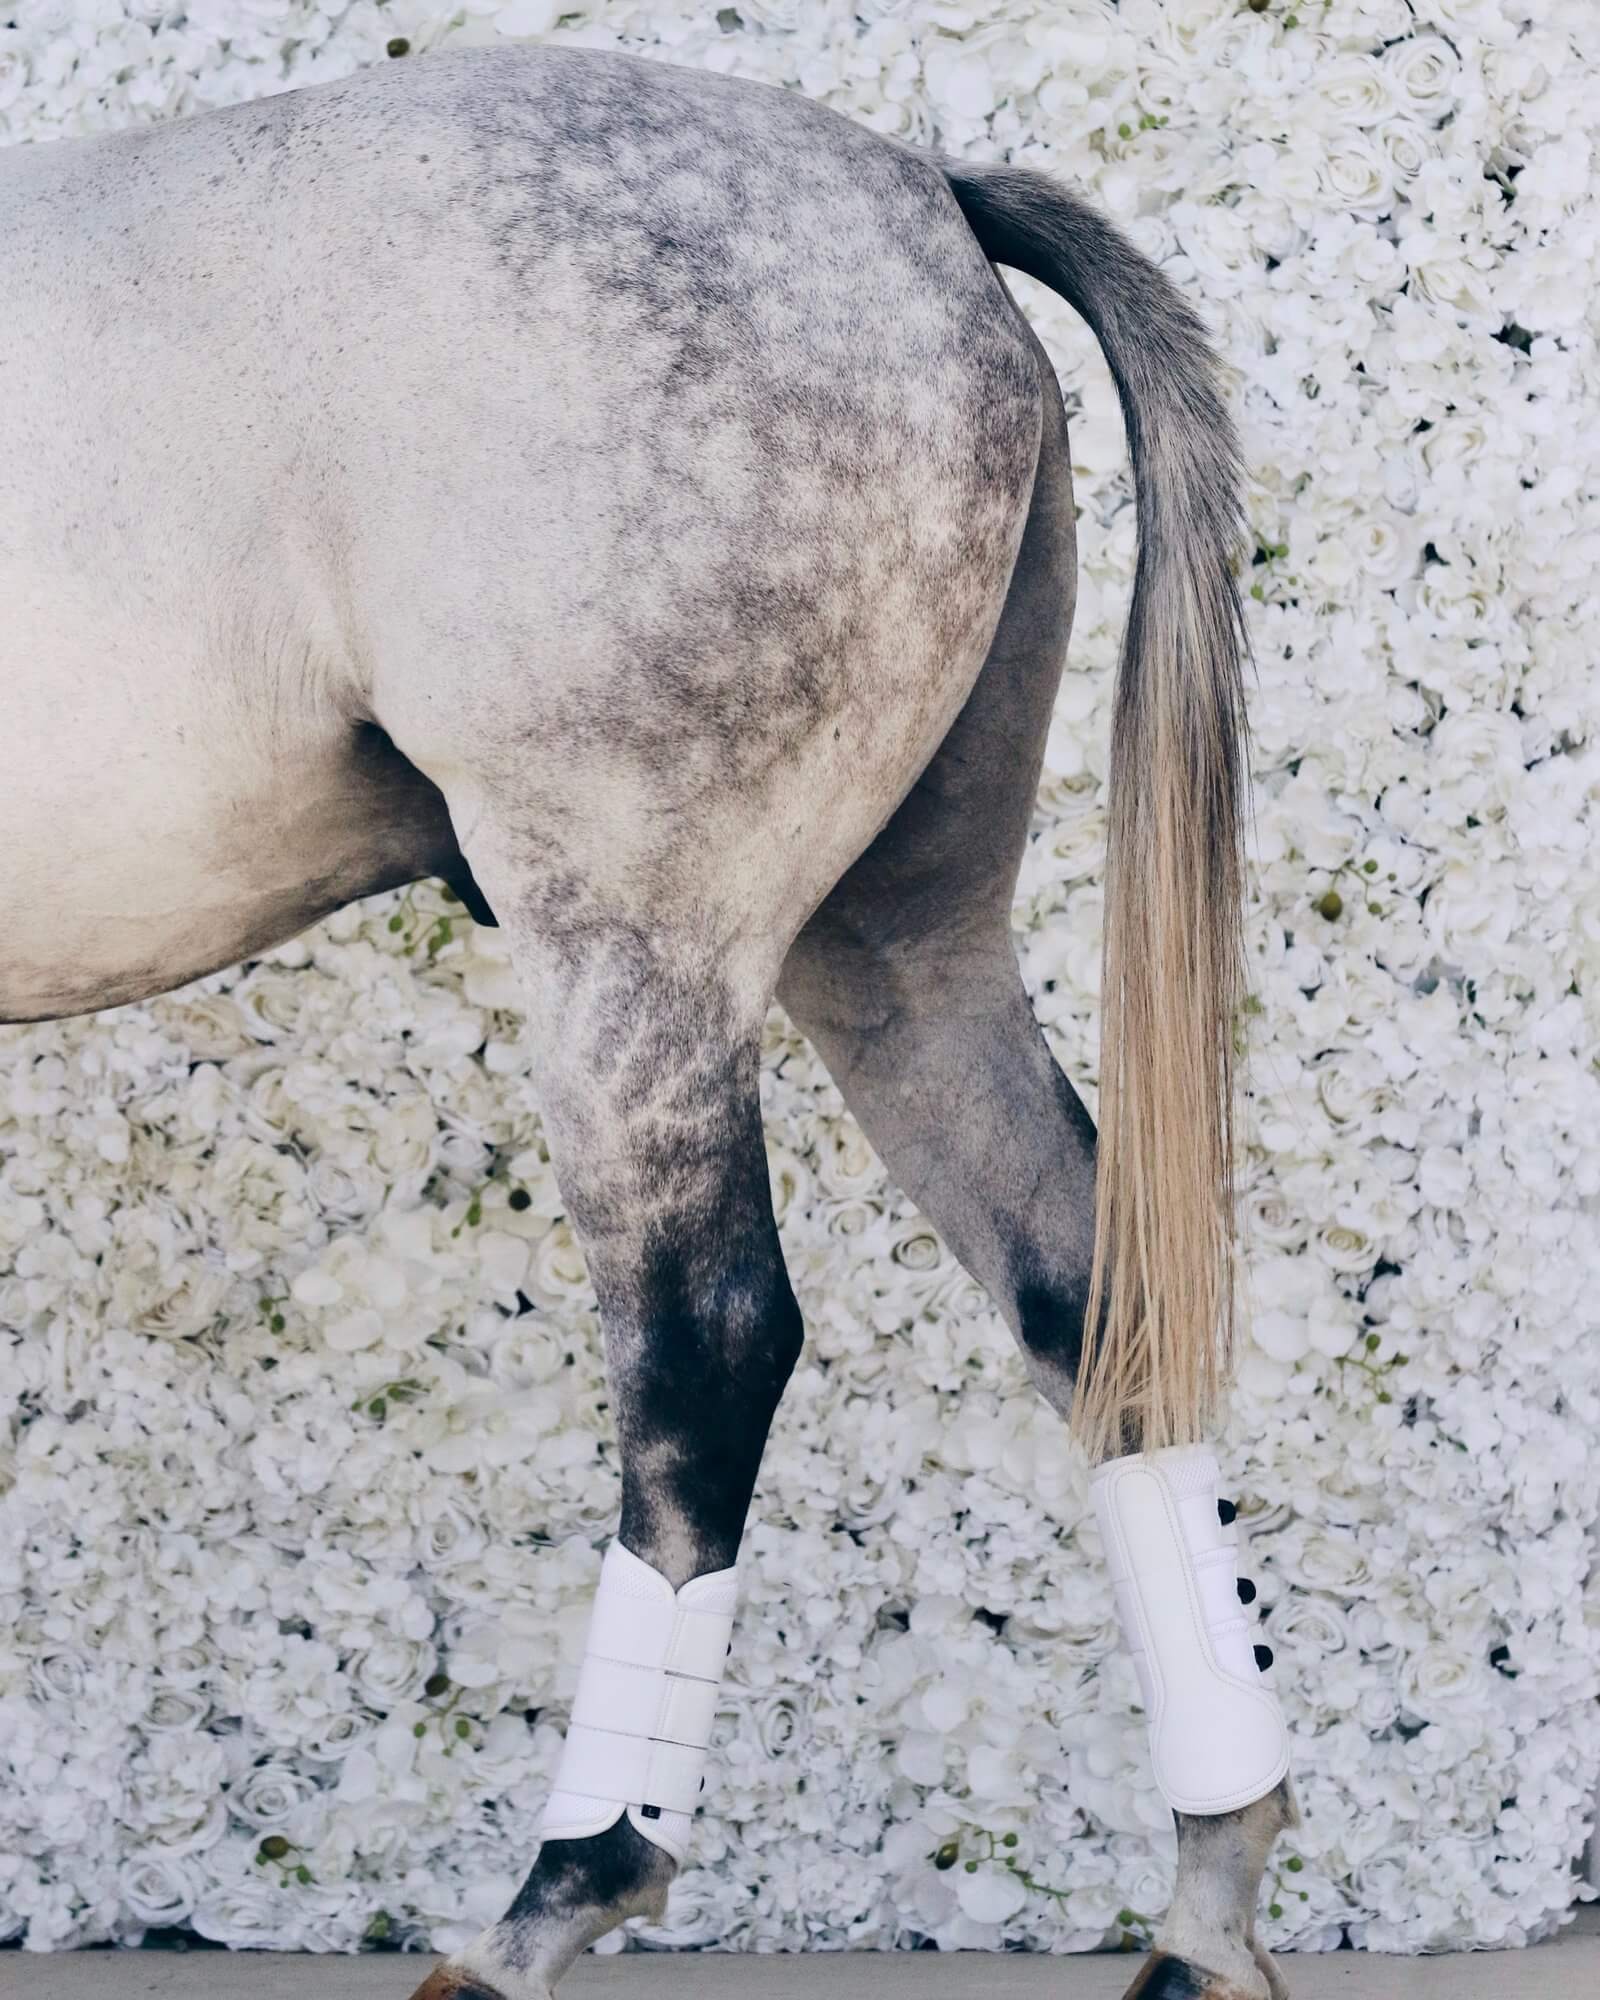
(1217, 1734)
(647, 1693)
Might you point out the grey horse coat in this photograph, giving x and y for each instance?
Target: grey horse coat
(633, 496)
(668, 434)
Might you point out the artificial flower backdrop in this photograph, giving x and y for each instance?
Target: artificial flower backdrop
(305, 1460)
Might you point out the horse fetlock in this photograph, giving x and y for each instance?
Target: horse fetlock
(519, 1960)
(577, 1890)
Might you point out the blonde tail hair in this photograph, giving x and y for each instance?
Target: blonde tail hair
(1158, 1332)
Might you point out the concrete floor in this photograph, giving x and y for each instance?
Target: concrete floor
(1568, 1969)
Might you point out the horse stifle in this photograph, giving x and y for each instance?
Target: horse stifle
(633, 496)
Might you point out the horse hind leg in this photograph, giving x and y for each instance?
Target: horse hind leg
(906, 976)
(907, 980)
(649, 1055)
(651, 816)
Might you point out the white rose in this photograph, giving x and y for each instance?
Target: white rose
(1422, 71)
(558, 1272)
(779, 1723)
(1439, 1679)
(271, 1003)
(261, 1194)
(1446, 276)
(1354, 90)
(846, 1163)
(1266, 1216)
(270, 1796)
(242, 1915)
(159, 1889)
(1074, 849)
(176, 1710)
(1354, 171)
(213, 1025)
(1344, 1249)
(392, 1671)
(173, 1304)
(1387, 545)
(337, 1735)
(1329, 1562)
(1407, 146)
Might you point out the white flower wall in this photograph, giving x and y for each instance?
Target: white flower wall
(306, 1458)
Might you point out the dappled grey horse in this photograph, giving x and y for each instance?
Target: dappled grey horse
(633, 496)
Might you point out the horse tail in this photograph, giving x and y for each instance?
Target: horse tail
(1158, 1331)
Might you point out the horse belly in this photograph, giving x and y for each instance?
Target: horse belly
(150, 835)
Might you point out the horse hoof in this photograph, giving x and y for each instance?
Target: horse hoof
(1164, 1977)
(446, 1984)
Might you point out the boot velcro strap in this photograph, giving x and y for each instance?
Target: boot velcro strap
(643, 1701)
(632, 1770)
